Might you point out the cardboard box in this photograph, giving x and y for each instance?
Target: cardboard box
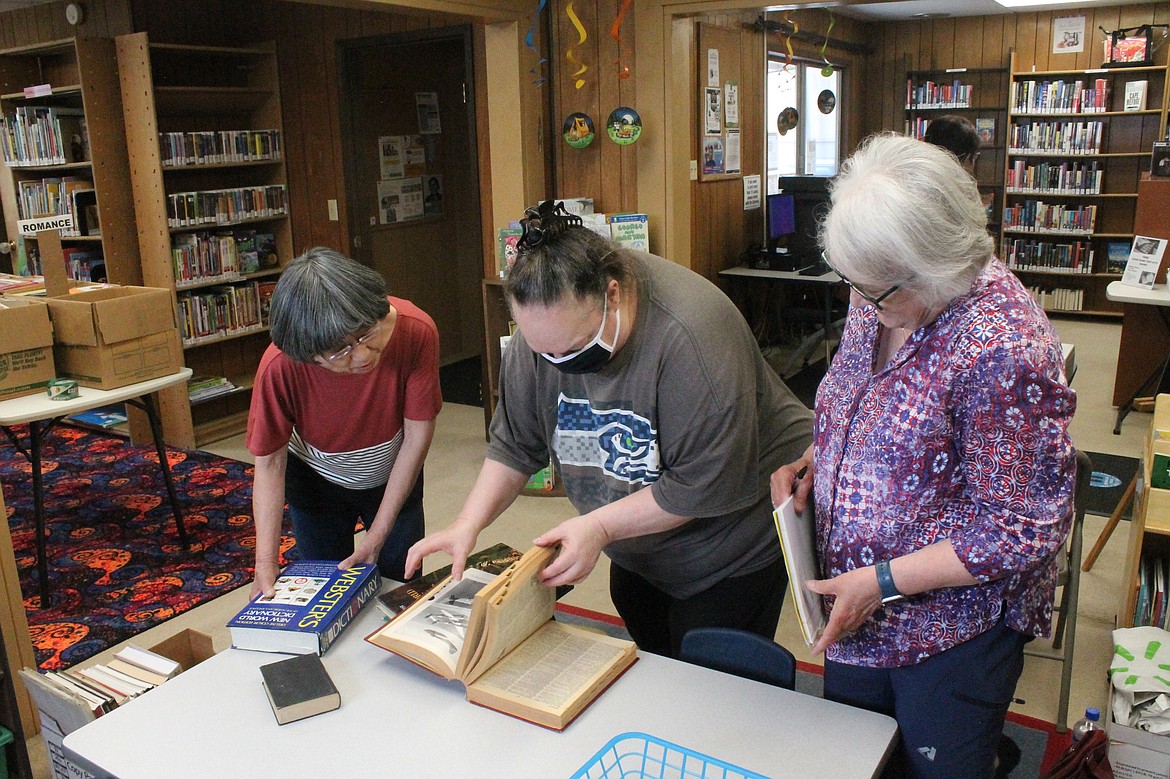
(107, 338)
(1136, 754)
(60, 764)
(26, 347)
(188, 648)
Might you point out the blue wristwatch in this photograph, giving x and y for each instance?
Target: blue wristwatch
(886, 584)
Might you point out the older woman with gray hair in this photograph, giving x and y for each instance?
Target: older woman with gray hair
(343, 412)
(941, 469)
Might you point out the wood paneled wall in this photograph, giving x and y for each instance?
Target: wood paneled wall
(27, 26)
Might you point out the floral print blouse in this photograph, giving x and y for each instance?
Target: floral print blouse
(962, 435)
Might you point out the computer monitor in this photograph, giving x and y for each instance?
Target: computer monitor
(810, 199)
(781, 217)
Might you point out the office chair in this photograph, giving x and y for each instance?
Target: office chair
(741, 653)
(1069, 580)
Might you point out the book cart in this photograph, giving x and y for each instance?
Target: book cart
(1074, 160)
(204, 127)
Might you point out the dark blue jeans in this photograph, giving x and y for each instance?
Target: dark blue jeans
(325, 514)
(950, 707)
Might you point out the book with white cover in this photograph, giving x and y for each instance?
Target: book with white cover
(798, 541)
(1135, 96)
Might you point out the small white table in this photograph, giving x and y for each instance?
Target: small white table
(41, 414)
(1159, 380)
(397, 719)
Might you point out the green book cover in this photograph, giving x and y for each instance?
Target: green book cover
(1160, 473)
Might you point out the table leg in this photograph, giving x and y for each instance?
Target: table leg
(148, 405)
(35, 433)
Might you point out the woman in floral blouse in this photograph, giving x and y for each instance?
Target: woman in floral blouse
(941, 468)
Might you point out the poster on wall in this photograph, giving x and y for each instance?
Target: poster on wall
(1068, 35)
(427, 105)
(731, 104)
(390, 157)
(712, 155)
(731, 152)
(713, 113)
(433, 195)
(751, 192)
(713, 67)
(400, 200)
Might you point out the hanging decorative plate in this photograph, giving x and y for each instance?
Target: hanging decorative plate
(578, 130)
(826, 101)
(624, 126)
(787, 120)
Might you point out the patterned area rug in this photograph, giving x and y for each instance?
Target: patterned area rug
(116, 566)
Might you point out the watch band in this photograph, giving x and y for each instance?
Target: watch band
(886, 584)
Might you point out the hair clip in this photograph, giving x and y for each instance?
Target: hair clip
(545, 221)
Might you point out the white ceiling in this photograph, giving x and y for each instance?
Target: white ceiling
(909, 9)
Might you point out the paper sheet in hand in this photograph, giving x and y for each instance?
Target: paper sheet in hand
(797, 535)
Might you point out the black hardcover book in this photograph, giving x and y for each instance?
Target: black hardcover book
(299, 687)
(1160, 160)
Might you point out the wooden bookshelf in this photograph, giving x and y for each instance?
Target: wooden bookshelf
(985, 107)
(1118, 162)
(18, 712)
(78, 79)
(179, 88)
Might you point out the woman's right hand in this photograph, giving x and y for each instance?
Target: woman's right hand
(796, 478)
(457, 540)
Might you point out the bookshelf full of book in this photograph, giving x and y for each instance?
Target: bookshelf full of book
(976, 94)
(1145, 592)
(65, 154)
(1077, 144)
(204, 127)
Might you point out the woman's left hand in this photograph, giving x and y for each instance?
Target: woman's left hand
(363, 554)
(582, 539)
(857, 596)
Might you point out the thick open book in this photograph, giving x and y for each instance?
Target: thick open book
(798, 541)
(496, 635)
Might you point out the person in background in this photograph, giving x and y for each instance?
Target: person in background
(643, 383)
(958, 136)
(941, 469)
(343, 412)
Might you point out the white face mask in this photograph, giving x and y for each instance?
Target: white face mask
(593, 356)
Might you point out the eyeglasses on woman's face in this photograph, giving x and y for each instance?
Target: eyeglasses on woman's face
(342, 356)
(875, 300)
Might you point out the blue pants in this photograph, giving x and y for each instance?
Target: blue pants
(324, 515)
(950, 708)
(657, 622)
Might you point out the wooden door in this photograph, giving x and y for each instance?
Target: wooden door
(409, 134)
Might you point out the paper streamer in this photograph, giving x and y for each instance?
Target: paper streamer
(615, 33)
(788, 41)
(827, 70)
(581, 38)
(530, 42)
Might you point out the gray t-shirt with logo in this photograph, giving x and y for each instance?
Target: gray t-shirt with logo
(687, 408)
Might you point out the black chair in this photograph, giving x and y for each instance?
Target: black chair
(741, 653)
(1069, 581)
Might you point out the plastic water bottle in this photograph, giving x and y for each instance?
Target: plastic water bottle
(1091, 721)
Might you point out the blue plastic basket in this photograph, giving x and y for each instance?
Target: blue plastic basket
(641, 756)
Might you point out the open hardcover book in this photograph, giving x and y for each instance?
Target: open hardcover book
(491, 631)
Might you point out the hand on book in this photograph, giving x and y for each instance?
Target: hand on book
(581, 540)
(264, 580)
(794, 479)
(457, 540)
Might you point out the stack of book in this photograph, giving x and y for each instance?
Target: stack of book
(103, 687)
(206, 387)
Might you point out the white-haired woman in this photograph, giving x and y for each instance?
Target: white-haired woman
(941, 468)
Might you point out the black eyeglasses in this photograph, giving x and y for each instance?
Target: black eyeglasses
(876, 301)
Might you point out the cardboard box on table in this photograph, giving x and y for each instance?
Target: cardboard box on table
(187, 648)
(26, 347)
(108, 338)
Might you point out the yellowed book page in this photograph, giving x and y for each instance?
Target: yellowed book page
(476, 625)
(432, 631)
(559, 670)
(515, 611)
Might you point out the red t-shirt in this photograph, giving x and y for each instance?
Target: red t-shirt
(342, 412)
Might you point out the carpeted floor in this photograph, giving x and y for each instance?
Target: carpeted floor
(1111, 475)
(116, 566)
(1038, 742)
